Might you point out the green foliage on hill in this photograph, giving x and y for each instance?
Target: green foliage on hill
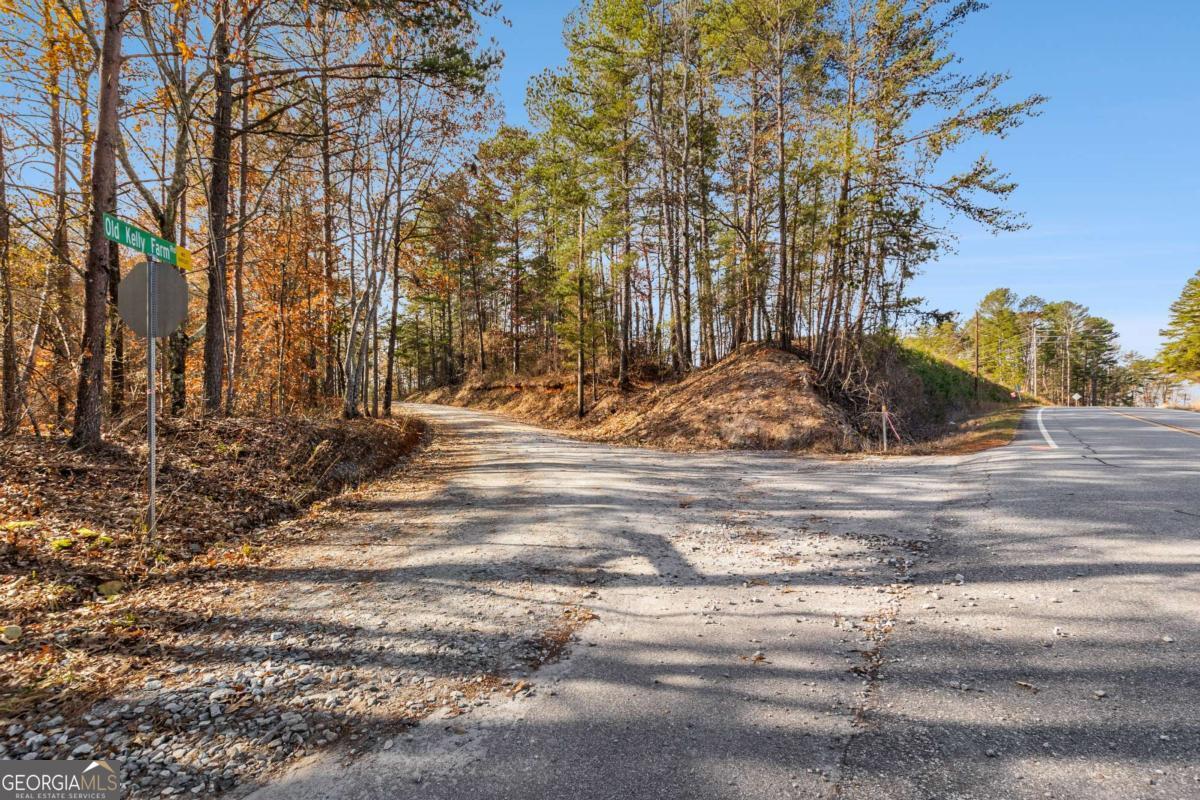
(947, 385)
(1051, 350)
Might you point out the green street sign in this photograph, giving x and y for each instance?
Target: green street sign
(121, 232)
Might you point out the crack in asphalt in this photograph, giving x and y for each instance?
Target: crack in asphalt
(900, 590)
(1092, 454)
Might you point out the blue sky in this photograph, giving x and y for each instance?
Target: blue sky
(1109, 174)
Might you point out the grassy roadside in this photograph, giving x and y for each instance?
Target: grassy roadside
(990, 429)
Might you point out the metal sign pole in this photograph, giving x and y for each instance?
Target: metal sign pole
(151, 319)
(174, 302)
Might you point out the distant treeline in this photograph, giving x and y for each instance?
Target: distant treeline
(1051, 350)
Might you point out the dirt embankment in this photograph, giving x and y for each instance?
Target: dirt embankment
(74, 553)
(758, 398)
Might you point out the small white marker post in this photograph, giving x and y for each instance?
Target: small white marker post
(883, 418)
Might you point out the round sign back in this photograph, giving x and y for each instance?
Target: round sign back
(170, 299)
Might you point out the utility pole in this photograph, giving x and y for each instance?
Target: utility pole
(1067, 389)
(579, 376)
(977, 356)
(1035, 355)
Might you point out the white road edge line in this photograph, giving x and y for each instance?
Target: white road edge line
(1045, 433)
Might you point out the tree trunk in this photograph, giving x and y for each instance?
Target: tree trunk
(62, 256)
(116, 393)
(745, 322)
(239, 263)
(10, 409)
(388, 382)
(179, 341)
(623, 381)
(686, 195)
(782, 311)
(579, 349)
(89, 397)
(281, 311)
(329, 299)
(374, 367)
(516, 296)
(707, 303)
(480, 319)
(355, 361)
(218, 199)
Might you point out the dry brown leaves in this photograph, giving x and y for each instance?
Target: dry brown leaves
(554, 640)
(87, 585)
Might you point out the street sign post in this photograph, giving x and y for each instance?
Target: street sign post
(152, 299)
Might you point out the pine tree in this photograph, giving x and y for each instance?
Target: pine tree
(1181, 353)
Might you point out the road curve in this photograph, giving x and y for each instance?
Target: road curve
(1018, 623)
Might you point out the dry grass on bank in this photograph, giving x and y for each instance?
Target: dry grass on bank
(993, 428)
(759, 398)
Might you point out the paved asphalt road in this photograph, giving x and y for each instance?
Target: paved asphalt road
(1074, 640)
(1021, 623)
